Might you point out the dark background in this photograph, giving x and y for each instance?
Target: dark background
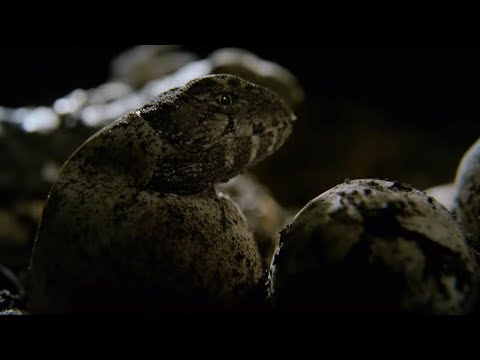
(401, 112)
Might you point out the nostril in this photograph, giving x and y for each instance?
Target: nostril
(258, 128)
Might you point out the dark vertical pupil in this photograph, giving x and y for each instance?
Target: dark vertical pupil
(225, 99)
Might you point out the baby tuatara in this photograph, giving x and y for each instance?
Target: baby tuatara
(134, 224)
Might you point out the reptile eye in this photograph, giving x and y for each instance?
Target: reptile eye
(225, 99)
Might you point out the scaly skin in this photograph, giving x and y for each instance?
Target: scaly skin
(35, 141)
(134, 223)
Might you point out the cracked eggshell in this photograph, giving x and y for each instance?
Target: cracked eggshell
(143, 253)
(372, 246)
(264, 214)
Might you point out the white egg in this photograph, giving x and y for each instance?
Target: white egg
(444, 194)
(467, 194)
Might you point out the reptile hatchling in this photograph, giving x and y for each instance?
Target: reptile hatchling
(134, 224)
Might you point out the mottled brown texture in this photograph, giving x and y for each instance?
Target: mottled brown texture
(31, 159)
(373, 246)
(158, 252)
(207, 142)
(134, 223)
(266, 73)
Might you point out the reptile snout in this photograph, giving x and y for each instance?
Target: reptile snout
(287, 110)
(258, 128)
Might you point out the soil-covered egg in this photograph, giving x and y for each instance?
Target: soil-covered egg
(373, 246)
(265, 215)
(467, 194)
(191, 254)
(133, 222)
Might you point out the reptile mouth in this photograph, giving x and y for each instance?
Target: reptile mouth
(263, 130)
(282, 130)
(259, 129)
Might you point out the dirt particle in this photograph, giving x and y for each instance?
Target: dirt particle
(400, 186)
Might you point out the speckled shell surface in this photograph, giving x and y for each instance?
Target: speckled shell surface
(134, 224)
(160, 251)
(373, 246)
